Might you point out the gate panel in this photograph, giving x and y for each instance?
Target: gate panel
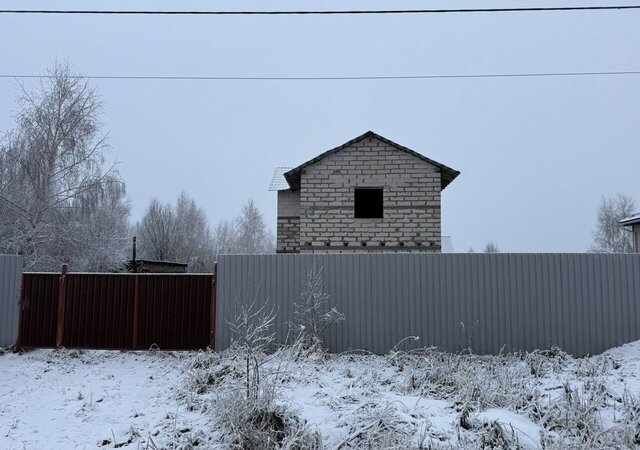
(39, 309)
(117, 311)
(174, 311)
(99, 311)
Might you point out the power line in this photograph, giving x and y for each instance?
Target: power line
(336, 78)
(318, 12)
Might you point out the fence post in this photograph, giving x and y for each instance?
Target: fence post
(212, 318)
(136, 310)
(62, 301)
(21, 313)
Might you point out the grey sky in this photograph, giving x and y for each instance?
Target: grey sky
(536, 155)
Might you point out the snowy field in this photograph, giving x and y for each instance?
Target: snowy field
(425, 399)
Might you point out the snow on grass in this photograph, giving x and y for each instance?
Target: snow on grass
(420, 399)
(88, 399)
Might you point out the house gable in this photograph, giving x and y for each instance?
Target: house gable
(293, 175)
(322, 211)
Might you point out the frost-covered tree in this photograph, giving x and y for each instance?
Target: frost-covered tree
(54, 182)
(225, 238)
(609, 236)
(491, 247)
(194, 240)
(252, 234)
(177, 233)
(156, 232)
(246, 234)
(311, 313)
(99, 224)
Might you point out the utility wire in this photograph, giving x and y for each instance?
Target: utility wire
(336, 78)
(319, 12)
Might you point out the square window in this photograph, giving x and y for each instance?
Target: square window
(368, 203)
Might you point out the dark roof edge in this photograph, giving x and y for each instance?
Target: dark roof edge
(448, 174)
(153, 261)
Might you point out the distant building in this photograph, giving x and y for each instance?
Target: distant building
(367, 195)
(634, 223)
(151, 266)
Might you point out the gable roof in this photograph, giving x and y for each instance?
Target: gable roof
(447, 173)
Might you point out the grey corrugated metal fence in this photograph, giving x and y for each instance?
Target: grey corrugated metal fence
(10, 270)
(583, 303)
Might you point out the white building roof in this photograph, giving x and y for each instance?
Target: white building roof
(632, 220)
(278, 182)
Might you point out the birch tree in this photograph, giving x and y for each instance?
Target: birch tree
(253, 236)
(225, 238)
(52, 165)
(609, 236)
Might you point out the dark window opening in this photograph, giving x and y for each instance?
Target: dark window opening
(368, 203)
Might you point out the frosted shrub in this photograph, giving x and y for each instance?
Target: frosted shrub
(261, 423)
(311, 313)
(477, 381)
(252, 331)
(378, 427)
(204, 373)
(245, 405)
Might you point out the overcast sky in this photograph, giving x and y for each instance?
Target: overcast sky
(536, 154)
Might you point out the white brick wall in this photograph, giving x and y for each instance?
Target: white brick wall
(411, 202)
(288, 231)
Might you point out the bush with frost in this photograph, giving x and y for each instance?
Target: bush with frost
(311, 313)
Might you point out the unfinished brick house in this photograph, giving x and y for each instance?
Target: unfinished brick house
(367, 195)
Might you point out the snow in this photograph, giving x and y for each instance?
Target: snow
(78, 400)
(89, 399)
(528, 433)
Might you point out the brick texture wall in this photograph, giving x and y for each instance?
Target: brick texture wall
(326, 223)
(288, 231)
(288, 226)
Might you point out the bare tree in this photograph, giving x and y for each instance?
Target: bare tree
(253, 236)
(51, 165)
(156, 232)
(491, 247)
(609, 236)
(179, 233)
(224, 238)
(311, 313)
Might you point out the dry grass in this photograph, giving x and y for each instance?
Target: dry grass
(564, 396)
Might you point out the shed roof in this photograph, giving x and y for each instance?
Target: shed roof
(632, 220)
(160, 263)
(448, 174)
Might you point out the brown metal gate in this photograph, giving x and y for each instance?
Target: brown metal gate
(117, 311)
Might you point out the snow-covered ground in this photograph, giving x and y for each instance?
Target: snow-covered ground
(77, 400)
(138, 400)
